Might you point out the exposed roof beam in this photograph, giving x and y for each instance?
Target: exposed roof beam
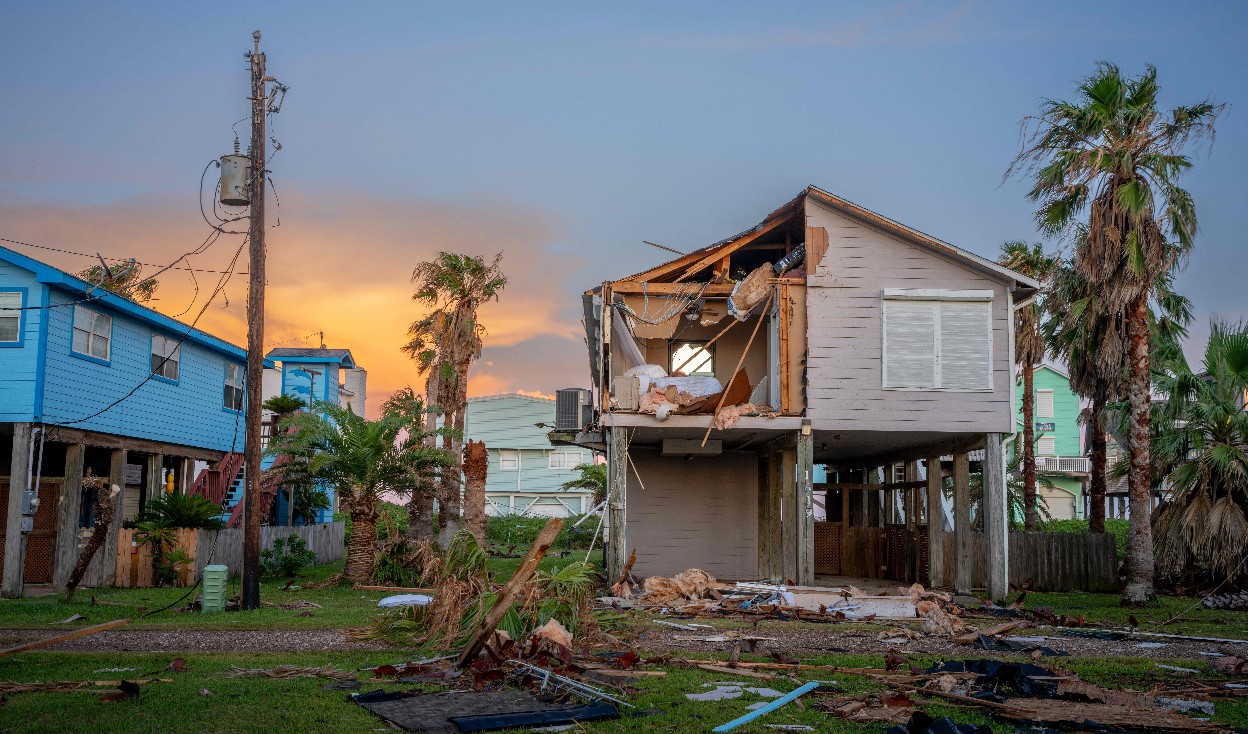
(662, 289)
(727, 250)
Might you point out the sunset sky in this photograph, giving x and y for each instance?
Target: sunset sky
(561, 135)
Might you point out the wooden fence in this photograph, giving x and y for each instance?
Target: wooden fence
(218, 547)
(1050, 561)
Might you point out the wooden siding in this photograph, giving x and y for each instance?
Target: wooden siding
(844, 316)
(1050, 561)
(508, 421)
(694, 513)
(19, 365)
(189, 412)
(1065, 411)
(328, 541)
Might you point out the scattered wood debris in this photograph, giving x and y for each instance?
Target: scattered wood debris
(290, 671)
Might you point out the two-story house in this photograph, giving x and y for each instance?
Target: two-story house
(826, 334)
(1060, 459)
(92, 383)
(314, 375)
(526, 473)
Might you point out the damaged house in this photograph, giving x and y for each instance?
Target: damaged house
(825, 335)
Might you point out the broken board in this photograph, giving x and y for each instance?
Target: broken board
(883, 607)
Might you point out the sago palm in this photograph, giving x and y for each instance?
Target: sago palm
(1029, 350)
(361, 459)
(1113, 156)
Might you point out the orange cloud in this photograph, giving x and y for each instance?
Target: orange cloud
(340, 264)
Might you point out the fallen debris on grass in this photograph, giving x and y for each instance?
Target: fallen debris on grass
(290, 671)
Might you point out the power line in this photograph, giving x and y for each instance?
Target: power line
(114, 259)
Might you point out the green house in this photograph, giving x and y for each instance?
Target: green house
(1058, 441)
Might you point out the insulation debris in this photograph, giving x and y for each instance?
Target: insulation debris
(688, 585)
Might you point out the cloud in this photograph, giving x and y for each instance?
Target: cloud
(339, 263)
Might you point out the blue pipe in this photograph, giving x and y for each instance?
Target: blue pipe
(791, 696)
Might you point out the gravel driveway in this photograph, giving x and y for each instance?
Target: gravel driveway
(196, 641)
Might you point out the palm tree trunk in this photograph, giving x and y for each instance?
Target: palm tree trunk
(362, 547)
(1029, 447)
(452, 485)
(1139, 587)
(476, 466)
(420, 507)
(1096, 483)
(105, 506)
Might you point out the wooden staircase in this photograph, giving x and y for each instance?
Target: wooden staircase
(224, 483)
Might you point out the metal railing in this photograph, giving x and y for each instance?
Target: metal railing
(1074, 464)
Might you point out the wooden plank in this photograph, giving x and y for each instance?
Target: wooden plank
(804, 515)
(789, 504)
(962, 523)
(629, 287)
(110, 441)
(785, 326)
(66, 553)
(732, 247)
(996, 524)
(63, 638)
(505, 597)
(935, 524)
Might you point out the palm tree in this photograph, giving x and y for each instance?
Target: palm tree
(417, 411)
(445, 343)
(592, 477)
(1114, 155)
(1200, 448)
(1029, 349)
(361, 459)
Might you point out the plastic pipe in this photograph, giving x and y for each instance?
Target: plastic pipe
(787, 698)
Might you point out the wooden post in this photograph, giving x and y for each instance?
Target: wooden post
(155, 468)
(505, 597)
(805, 517)
(617, 483)
(963, 563)
(116, 476)
(935, 524)
(67, 514)
(769, 546)
(788, 517)
(996, 520)
(911, 495)
(14, 539)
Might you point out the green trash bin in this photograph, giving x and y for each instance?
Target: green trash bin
(215, 578)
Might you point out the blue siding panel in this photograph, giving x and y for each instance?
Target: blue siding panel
(190, 412)
(19, 366)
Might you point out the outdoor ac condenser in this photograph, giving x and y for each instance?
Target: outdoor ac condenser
(573, 408)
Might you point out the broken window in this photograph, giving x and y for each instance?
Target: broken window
(694, 355)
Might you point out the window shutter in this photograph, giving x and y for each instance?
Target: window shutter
(909, 344)
(965, 346)
(1044, 403)
(1046, 446)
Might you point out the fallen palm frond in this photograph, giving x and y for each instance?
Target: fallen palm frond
(70, 686)
(1225, 539)
(460, 584)
(290, 671)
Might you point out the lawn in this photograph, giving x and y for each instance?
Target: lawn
(342, 606)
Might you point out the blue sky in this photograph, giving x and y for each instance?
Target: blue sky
(563, 135)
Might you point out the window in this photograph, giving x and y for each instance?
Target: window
(937, 340)
(1044, 403)
(92, 331)
(234, 386)
(165, 357)
(10, 317)
(695, 358)
(509, 460)
(1046, 446)
(564, 459)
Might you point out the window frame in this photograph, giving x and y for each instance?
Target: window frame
(175, 358)
(1052, 405)
(508, 454)
(675, 344)
(1040, 441)
(241, 387)
(91, 335)
(20, 316)
(550, 459)
(936, 297)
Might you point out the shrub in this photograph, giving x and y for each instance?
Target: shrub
(1118, 528)
(287, 557)
(183, 511)
(514, 531)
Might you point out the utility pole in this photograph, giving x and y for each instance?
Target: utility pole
(255, 337)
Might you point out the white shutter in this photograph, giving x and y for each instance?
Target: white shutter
(965, 345)
(1044, 403)
(1046, 446)
(909, 344)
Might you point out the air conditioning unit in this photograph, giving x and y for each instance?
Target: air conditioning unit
(573, 408)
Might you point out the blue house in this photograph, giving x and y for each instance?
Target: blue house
(92, 383)
(313, 375)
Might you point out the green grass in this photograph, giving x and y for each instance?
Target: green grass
(1107, 608)
(342, 606)
(265, 705)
